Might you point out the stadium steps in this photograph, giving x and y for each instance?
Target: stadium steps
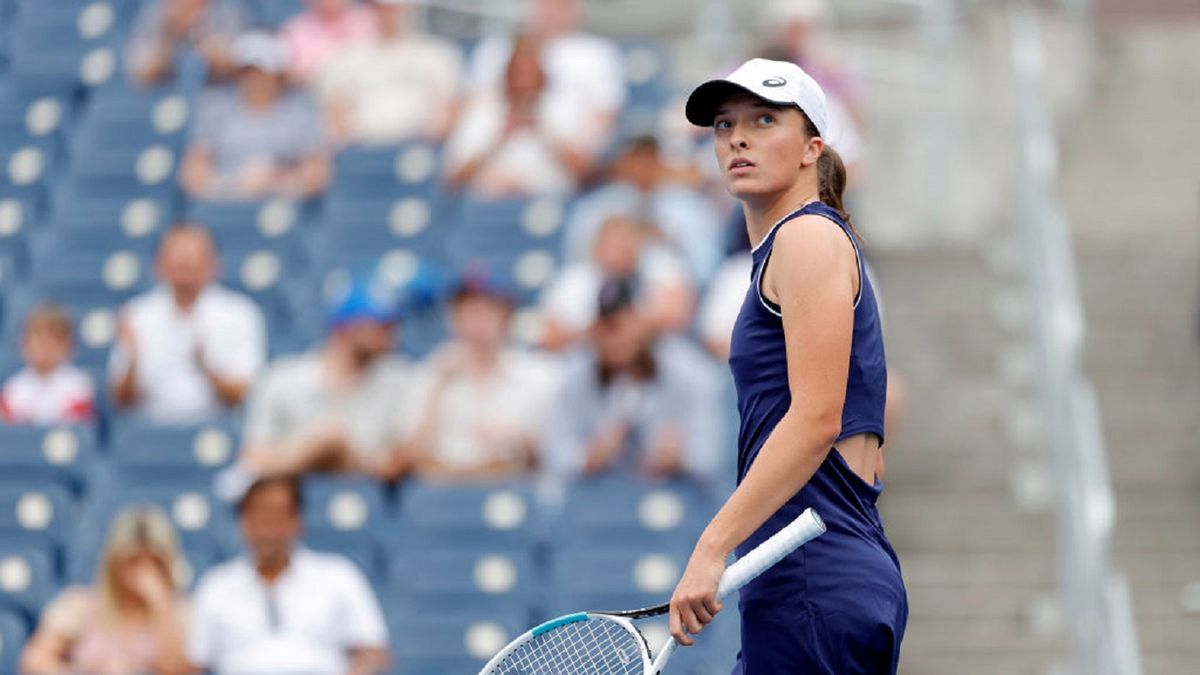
(1137, 259)
(977, 565)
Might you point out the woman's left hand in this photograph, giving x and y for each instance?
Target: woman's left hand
(695, 602)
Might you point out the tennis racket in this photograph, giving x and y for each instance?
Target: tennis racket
(607, 643)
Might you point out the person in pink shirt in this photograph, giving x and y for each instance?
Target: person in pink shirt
(313, 37)
(49, 389)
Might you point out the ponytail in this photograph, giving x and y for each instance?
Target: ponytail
(831, 179)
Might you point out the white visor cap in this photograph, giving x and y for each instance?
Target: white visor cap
(778, 82)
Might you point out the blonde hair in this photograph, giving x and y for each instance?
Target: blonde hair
(135, 529)
(50, 318)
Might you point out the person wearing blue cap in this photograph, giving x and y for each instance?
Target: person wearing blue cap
(335, 408)
(481, 400)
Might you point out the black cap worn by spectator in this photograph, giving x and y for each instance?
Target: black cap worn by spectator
(616, 294)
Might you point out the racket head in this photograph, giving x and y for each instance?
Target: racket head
(584, 643)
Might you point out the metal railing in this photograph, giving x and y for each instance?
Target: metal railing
(1099, 613)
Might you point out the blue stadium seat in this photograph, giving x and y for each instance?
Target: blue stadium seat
(647, 67)
(25, 116)
(14, 630)
(83, 276)
(451, 645)
(484, 578)
(124, 216)
(344, 503)
(415, 222)
(64, 64)
(408, 170)
(274, 13)
(357, 545)
(441, 514)
(65, 454)
(36, 506)
(199, 517)
(143, 448)
(126, 170)
(139, 114)
(520, 239)
(27, 578)
(614, 577)
(17, 216)
(25, 168)
(634, 511)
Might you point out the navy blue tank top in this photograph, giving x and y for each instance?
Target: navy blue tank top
(758, 356)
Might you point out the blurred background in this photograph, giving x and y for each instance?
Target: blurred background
(464, 268)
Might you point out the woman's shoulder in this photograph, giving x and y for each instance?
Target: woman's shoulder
(71, 611)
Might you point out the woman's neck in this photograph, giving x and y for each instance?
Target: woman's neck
(762, 214)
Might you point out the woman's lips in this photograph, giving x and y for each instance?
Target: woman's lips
(739, 166)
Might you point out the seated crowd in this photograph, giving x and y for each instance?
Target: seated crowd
(613, 370)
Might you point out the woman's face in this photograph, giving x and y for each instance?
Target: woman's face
(761, 148)
(128, 569)
(260, 87)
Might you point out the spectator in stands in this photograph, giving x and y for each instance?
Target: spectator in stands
(259, 140)
(480, 403)
(401, 85)
(585, 68)
(336, 408)
(189, 349)
(282, 608)
(635, 402)
(315, 36)
(623, 248)
(132, 620)
(726, 293)
(49, 389)
(643, 185)
(523, 139)
(190, 39)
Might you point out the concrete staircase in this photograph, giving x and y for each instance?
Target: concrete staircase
(1132, 186)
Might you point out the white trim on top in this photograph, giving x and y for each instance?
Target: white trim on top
(780, 222)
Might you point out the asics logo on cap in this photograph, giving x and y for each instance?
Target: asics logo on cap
(774, 82)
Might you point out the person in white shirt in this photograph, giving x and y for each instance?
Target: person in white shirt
(480, 403)
(282, 608)
(49, 389)
(400, 85)
(338, 407)
(189, 349)
(587, 68)
(523, 138)
(623, 248)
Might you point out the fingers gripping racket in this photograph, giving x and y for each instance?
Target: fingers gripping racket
(607, 643)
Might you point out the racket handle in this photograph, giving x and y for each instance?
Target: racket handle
(806, 526)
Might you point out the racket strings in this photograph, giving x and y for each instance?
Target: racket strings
(595, 646)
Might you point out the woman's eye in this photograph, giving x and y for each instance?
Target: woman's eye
(721, 124)
(766, 118)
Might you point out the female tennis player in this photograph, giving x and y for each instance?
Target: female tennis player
(808, 363)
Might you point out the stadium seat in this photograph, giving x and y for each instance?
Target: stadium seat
(633, 511)
(14, 630)
(443, 514)
(614, 577)
(25, 116)
(244, 227)
(75, 276)
(520, 239)
(357, 545)
(36, 506)
(408, 170)
(455, 579)
(17, 217)
(146, 449)
(451, 645)
(27, 578)
(344, 503)
(130, 115)
(125, 216)
(25, 168)
(200, 518)
(62, 453)
(415, 222)
(272, 14)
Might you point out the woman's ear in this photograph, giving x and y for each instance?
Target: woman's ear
(812, 151)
